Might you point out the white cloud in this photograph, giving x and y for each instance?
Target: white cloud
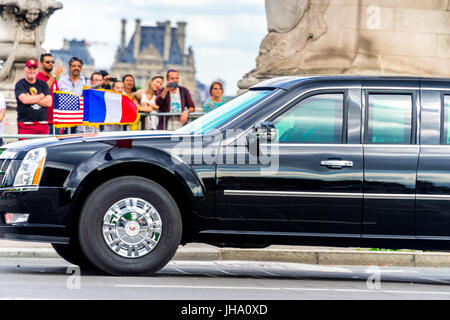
(227, 64)
(216, 28)
(197, 3)
(209, 29)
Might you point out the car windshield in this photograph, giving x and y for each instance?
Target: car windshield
(217, 117)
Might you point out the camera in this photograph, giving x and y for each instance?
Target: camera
(173, 85)
(113, 79)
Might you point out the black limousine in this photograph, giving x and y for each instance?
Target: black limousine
(330, 160)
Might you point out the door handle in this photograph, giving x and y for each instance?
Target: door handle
(336, 164)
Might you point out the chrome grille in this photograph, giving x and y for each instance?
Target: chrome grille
(4, 165)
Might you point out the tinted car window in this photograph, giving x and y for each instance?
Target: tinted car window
(389, 119)
(216, 118)
(317, 119)
(446, 119)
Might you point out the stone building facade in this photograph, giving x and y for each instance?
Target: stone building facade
(152, 50)
(379, 37)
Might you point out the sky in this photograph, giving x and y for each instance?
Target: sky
(225, 35)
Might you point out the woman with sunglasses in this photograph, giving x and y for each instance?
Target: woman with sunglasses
(216, 99)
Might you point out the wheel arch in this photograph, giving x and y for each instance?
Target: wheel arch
(172, 181)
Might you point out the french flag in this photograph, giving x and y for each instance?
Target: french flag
(107, 107)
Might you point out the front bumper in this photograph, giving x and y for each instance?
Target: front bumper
(50, 214)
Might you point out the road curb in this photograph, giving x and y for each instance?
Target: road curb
(342, 257)
(319, 257)
(28, 253)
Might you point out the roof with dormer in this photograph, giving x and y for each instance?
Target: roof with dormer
(76, 49)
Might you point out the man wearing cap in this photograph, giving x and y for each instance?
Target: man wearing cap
(33, 99)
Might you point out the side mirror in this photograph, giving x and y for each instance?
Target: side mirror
(265, 132)
(261, 133)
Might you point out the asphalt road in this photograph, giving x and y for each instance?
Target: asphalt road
(35, 278)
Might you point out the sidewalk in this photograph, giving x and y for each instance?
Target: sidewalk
(295, 254)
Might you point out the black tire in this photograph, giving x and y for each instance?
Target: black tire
(90, 232)
(72, 253)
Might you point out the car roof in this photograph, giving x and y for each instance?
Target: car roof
(290, 82)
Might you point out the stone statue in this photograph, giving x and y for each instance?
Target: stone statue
(308, 37)
(22, 31)
(291, 25)
(283, 16)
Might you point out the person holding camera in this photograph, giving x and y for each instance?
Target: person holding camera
(106, 81)
(96, 81)
(174, 98)
(101, 80)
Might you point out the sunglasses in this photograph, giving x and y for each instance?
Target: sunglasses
(50, 61)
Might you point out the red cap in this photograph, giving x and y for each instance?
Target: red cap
(31, 64)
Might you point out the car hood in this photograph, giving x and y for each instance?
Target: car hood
(27, 145)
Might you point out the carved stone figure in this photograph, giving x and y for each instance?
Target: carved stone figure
(307, 37)
(22, 31)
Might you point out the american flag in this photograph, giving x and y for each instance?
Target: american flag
(68, 109)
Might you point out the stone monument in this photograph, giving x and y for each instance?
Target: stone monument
(313, 37)
(22, 32)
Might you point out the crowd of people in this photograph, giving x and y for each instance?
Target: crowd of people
(163, 94)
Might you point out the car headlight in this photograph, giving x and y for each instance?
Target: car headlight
(30, 170)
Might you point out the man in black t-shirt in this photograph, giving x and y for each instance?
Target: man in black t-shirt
(33, 97)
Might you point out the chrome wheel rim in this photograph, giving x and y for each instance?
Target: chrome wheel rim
(132, 227)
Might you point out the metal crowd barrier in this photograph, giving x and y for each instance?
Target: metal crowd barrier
(172, 124)
(172, 118)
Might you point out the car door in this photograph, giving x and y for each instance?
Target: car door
(316, 189)
(390, 159)
(433, 177)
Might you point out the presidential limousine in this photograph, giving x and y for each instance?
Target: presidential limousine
(333, 161)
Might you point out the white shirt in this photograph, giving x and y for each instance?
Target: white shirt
(151, 121)
(175, 101)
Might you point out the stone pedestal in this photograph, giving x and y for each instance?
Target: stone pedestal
(22, 32)
(379, 37)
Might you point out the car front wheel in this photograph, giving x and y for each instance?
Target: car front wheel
(130, 226)
(72, 253)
